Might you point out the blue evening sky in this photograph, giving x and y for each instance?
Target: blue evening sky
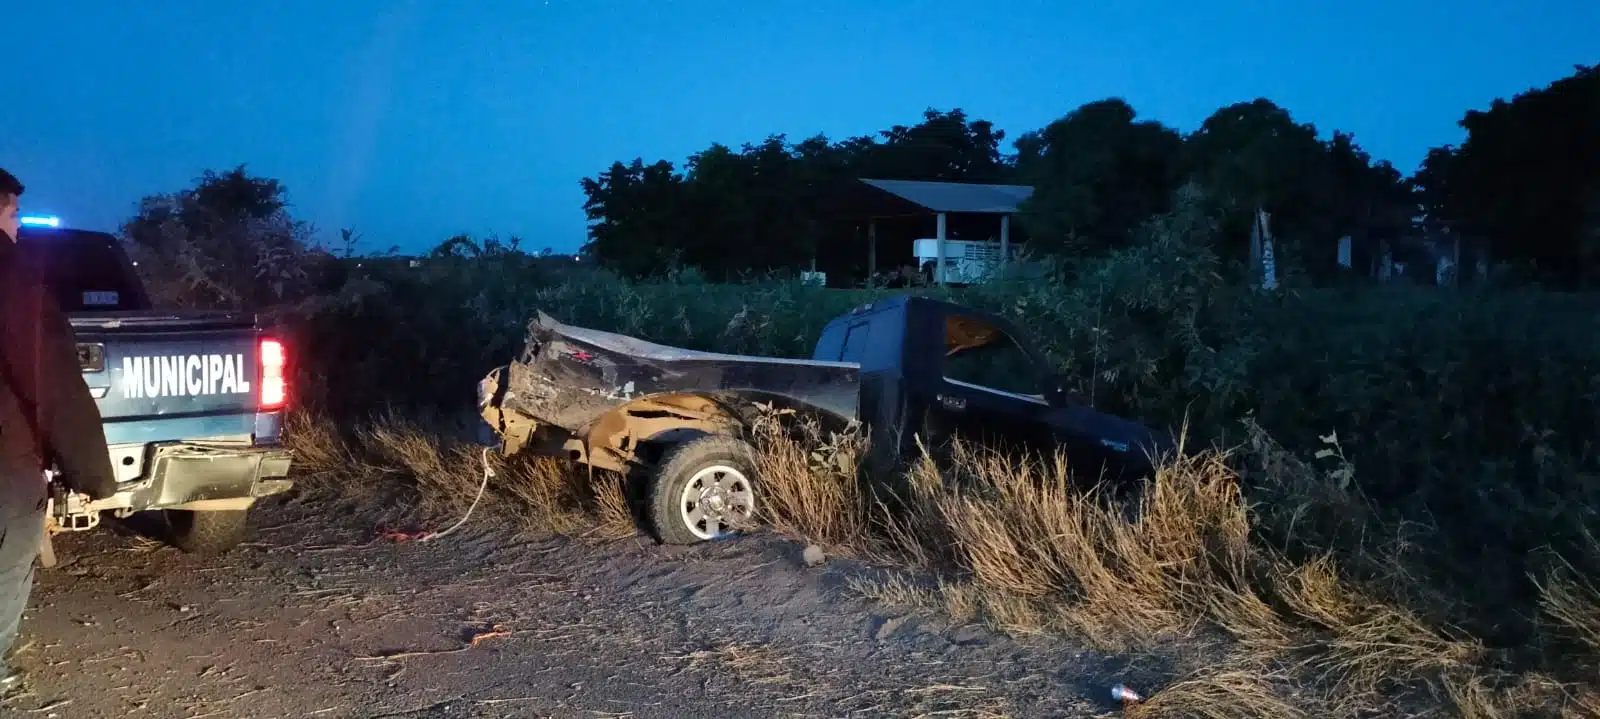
(411, 120)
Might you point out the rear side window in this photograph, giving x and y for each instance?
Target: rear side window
(855, 342)
(86, 271)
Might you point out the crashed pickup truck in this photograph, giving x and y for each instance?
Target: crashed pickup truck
(192, 402)
(904, 367)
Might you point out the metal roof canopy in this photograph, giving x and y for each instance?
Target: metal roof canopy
(955, 197)
(874, 199)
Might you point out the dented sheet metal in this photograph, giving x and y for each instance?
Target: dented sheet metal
(570, 377)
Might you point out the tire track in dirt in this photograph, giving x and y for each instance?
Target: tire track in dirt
(312, 620)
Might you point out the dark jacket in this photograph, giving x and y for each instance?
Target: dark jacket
(46, 411)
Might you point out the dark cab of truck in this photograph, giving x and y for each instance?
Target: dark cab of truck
(192, 401)
(939, 370)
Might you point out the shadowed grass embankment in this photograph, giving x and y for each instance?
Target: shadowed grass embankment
(1017, 545)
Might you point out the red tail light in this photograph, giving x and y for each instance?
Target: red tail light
(274, 378)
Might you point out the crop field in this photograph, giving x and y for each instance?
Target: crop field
(1386, 498)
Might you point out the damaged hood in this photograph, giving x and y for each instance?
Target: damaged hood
(568, 377)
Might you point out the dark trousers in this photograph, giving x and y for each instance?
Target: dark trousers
(21, 532)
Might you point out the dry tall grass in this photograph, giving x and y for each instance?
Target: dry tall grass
(1020, 546)
(414, 475)
(816, 494)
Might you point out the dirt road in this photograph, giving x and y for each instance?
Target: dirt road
(318, 621)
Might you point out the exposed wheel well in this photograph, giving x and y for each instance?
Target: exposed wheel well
(638, 431)
(631, 434)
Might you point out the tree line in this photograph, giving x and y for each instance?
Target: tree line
(1521, 193)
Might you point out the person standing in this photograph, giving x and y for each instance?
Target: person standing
(47, 418)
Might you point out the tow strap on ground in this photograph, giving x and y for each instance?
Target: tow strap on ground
(397, 536)
(488, 472)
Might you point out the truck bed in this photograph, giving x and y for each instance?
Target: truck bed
(568, 377)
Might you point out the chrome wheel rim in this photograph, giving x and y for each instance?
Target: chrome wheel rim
(716, 501)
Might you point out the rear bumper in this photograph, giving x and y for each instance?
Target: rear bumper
(185, 475)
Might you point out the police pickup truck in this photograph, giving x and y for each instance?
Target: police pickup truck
(192, 401)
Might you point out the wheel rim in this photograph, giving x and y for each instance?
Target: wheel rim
(715, 498)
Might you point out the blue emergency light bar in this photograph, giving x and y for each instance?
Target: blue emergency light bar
(40, 221)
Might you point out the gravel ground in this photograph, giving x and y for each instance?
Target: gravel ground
(310, 619)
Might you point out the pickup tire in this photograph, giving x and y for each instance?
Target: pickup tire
(703, 489)
(209, 532)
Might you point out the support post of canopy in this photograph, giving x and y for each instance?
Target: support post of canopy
(1005, 241)
(872, 252)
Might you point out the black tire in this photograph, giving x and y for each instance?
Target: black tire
(208, 533)
(695, 463)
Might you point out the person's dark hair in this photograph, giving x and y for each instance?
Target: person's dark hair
(9, 184)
